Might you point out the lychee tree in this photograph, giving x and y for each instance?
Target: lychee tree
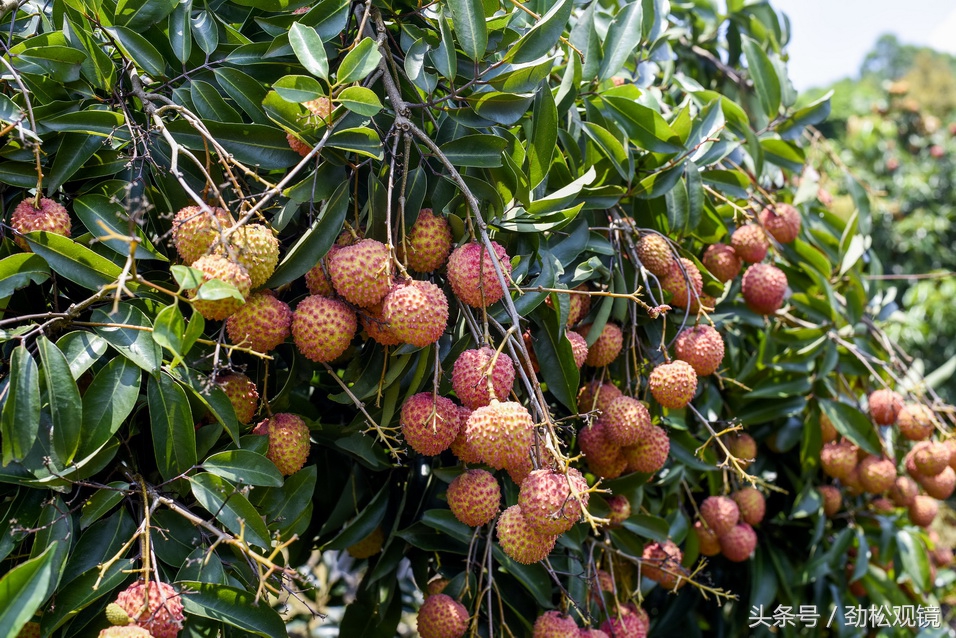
(505, 316)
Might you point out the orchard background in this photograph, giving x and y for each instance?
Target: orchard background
(535, 317)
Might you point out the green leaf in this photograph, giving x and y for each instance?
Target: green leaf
(914, 559)
(852, 424)
(129, 333)
(298, 88)
(623, 37)
(217, 289)
(359, 62)
(468, 18)
(206, 31)
(213, 399)
(309, 50)
(171, 425)
(243, 467)
(63, 399)
(256, 144)
(90, 122)
(543, 36)
(480, 151)
(209, 104)
(102, 502)
(102, 216)
(814, 113)
(73, 261)
(235, 607)
(764, 76)
(244, 90)
(141, 14)
(363, 524)
(169, 328)
(107, 402)
(556, 360)
(644, 126)
(361, 140)
(138, 49)
(24, 588)
(224, 501)
(20, 414)
(503, 108)
(784, 154)
(74, 152)
(652, 527)
(82, 349)
(180, 37)
(544, 137)
(361, 100)
(186, 277)
(19, 270)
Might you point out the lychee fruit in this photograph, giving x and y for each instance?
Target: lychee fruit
(838, 459)
(474, 497)
(578, 305)
(261, 324)
(129, 631)
(323, 328)
(549, 503)
(288, 441)
(317, 279)
(297, 145)
(195, 230)
(750, 243)
(903, 492)
(579, 347)
(832, 499)
(673, 384)
(429, 423)
(661, 562)
(257, 249)
(441, 616)
(885, 406)
(763, 287)
(630, 621)
(684, 283)
(519, 540)
(50, 217)
(461, 447)
(951, 446)
(470, 374)
(472, 275)
(156, 608)
(607, 347)
(649, 454)
(554, 624)
(828, 433)
(376, 327)
(597, 396)
(922, 511)
(916, 421)
(752, 505)
(930, 457)
(626, 421)
(739, 543)
(877, 474)
(604, 457)
(620, 510)
(416, 312)
(360, 272)
(882, 505)
(722, 262)
(782, 222)
(702, 347)
(320, 107)
(707, 540)
(368, 546)
(32, 630)
(720, 513)
(242, 393)
(427, 243)
(852, 483)
(940, 486)
(596, 633)
(501, 434)
(655, 254)
(743, 447)
(218, 267)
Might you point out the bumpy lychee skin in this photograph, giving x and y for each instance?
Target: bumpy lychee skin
(323, 328)
(655, 253)
(368, 546)
(597, 396)
(604, 457)
(763, 287)
(720, 513)
(242, 393)
(377, 328)
(501, 434)
(50, 216)
(416, 312)
(832, 499)
(620, 510)
(661, 562)
(885, 406)
(882, 505)
(838, 459)
(707, 541)
(461, 447)
(579, 347)
(218, 267)
(923, 510)
(288, 441)
(472, 274)
(828, 433)
(554, 624)
(722, 262)
(607, 347)
(474, 497)
(317, 279)
(427, 243)
(257, 249)
(195, 231)
(930, 457)
(743, 447)
(296, 144)
(649, 454)
(429, 423)
(469, 377)
(157, 609)
(116, 615)
(739, 543)
(130, 631)
(320, 107)
(752, 505)
(750, 243)
(940, 486)
(877, 474)
(578, 306)
(627, 420)
(441, 616)
(547, 501)
(904, 491)
(630, 621)
(916, 421)
(519, 540)
(702, 347)
(262, 323)
(782, 222)
(360, 272)
(673, 384)
(595, 633)
(30, 630)
(684, 283)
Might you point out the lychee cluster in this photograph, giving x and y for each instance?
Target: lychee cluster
(215, 305)
(726, 526)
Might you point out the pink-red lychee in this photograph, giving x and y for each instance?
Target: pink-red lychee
(429, 423)
(606, 348)
(156, 608)
(722, 262)
(416, 312)
(262, 323)
(750, 243)
(361, 272)
(471, 372)
(472, 274)
(50, 217)
(702, 347)
(519, 540)
(782, 222)
(323, 328)
(441, 616)
(474, 497)
(552, 502)
(673, 384)
(763, 287)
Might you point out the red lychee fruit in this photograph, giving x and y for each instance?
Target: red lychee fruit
(262, 323)
(156, 608)
(702, 347)
(429, 423)
(885, 406)
(549, 503)
(317, 279)
(129, 631)
(416, 312)
(750, 243)
(441, 616)
(427, 243)
(368, 546)
(604, 457)
(763, 287)
(320, 107)
(722, 262)
(472, 275)
(501, 434)
(743, 447)
(916, 421)
(838, 459)
(554, 624)
(930, 457)
(323, 328)
(940, 486)
(597, 396)
(877, 474)
(739, 543)
(242, 393)
(288, 441)
(578, 305)
(50, 217)
(903, 492)
(655, 254)
(218, 267)
(620, 510)
(649, 454)
(922, 511)
(195, 231)
(460, 447)
(828, 433)
(782, 222)
(752, 505)
(257, 249)
(882, 505)
(951, 446)
(684, 283)
(661, 562)
(469, 377)
(361, 272)
(519, 540)
(579, 347)
(673, 384)
(474, 497)
(707, 541)
(607, 347)
(597, 633)
(32, 630)
(852, 483)
(297, 145)
(630, 621)
(376, 327)
(720, 513)
(832, 500)
(626, 421)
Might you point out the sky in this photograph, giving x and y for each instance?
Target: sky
(830, 38)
